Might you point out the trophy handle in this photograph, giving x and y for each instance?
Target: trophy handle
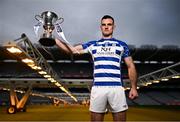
(38, 17)
(60, 19)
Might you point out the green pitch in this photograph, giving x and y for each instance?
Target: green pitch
(81, 113)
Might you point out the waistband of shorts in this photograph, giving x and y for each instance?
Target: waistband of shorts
(107, 84)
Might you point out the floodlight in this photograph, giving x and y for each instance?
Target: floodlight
(176, 76)
(47, 76)
(156, 81)
(164, 79)
(14, 50)
(42, 72)
(28, 61)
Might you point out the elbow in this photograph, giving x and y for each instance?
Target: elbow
(75, 52)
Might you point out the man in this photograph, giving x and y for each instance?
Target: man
(107, 91)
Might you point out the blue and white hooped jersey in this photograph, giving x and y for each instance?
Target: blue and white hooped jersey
(107, 55)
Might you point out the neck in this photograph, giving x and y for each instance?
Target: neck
(107, 37)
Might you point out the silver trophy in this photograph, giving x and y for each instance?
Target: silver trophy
(49, 20)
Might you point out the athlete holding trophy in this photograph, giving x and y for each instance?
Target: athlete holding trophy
(107, 91)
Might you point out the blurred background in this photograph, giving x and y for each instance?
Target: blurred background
(149, 27)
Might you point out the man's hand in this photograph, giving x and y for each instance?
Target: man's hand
(133, 93)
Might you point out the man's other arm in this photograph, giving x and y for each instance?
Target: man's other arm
(132, 76)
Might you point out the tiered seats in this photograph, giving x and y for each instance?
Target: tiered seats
(143, 99)
(160, 97)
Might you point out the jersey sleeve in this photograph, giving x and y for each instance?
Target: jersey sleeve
(126, 51)
(87, 46)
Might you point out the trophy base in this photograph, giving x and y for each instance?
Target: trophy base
(47, 41)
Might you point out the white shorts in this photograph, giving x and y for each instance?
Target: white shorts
(108, 97)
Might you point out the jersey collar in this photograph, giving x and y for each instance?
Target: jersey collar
(102, 39)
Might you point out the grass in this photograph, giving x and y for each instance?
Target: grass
(81, 113)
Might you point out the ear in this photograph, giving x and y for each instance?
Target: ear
(114, 26)
(100, 26)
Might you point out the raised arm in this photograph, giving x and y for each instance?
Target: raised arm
(78, 49)
(132, 76)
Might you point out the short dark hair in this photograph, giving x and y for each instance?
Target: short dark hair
(107, 17)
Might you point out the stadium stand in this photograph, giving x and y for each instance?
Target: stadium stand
(148, 58)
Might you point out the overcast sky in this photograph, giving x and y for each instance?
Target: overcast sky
(138, 22)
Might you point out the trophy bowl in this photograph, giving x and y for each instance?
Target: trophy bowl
(48, 19)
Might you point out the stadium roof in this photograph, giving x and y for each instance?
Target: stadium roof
(143, 53)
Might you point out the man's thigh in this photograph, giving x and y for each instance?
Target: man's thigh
(117, 99)
(98, 100)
